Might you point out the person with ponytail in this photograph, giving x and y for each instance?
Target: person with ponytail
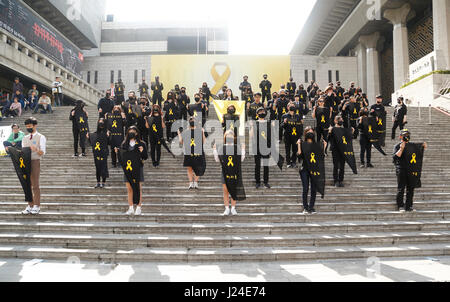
(99, 143)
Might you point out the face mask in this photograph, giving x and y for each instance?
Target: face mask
(265, 78)
(406, 138)
(132, 135)
(399, 102)
(340, 123)
(197, 100)
(192, 123)
(283, 96)
(310, 136)
(108, 96)
(262, 115)
(292, 109)
(183, 92)
(101, 125)
(30, 130)
(231, 111)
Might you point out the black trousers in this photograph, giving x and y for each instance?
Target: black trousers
(291, 146)
(79, 137)
(397, 124)
(157, 99)
(184, 114)
(114, 157)
(366, 149)
(402, 185)
(266, 96)
(155, 151)
(338, 166)
(306, 181)
(169, 133)
(258, 171)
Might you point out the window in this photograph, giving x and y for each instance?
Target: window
(330, 76)
(112, 76)
(337, 75)
(119, 74)
(135, 77)
(96, 77)
(143, 74)
(89, 77)
(314, 75)
(306, 76)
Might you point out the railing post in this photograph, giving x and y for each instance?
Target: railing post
(430, 123)
(420, 115)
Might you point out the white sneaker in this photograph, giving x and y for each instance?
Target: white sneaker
(36, 210)
(138, 211)
(27, 211)
(227, 212)
(233, 211)
(191, 186)
(196, 185)
(130, 211)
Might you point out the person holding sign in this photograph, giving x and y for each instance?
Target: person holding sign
(408, 160)
(38, 145)
(132, 155)
(231, 158)
(311, 153)
(99, 143)
(80, 127)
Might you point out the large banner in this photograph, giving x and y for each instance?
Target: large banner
(5, 132)
(191, 71)
(20, 21)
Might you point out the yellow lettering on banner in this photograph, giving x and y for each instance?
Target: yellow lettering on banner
(313, 158)
(220, 79)
(22, 165)
(413, 160)
(97, 147)
(230, 161)
(129, 167)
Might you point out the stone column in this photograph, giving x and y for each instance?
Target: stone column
(441, 29)
(4, 38)
(370, 42)
(398, 17)
(362, 66)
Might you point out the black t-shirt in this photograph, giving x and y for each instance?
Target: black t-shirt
(400, 112)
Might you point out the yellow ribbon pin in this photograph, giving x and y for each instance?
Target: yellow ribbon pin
(22, 165)
(97, 147)
(170, 112)
(294, 131)
(370, 129)
(380, 122)
(323, 119)
(129, 167)
(114, 125)
(193, 142)
(230, 161)
(154, 128)
(413, 160)
(313, 158)
(81, 120)
(344, 140)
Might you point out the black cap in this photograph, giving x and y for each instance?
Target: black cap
(379, 96)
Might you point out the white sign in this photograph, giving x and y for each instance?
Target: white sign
(5, 132)
(422, 67)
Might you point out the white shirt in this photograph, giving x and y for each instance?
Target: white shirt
(57, 87)
(28, 142)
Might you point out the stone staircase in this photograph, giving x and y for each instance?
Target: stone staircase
(180, 225)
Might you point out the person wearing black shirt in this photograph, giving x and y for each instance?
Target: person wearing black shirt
(155, 126)
(206, 95)
(260, 136)
(170, 115)
(141, 121)
(364, 140)
(380, 112)
(339, 91)
(143, 88)
(131, 109)
(115, 122)
(293, 128)
(281, 107)
(119, 91)
(198, 110)
(183, 102)
(157, 88)
(350, 112)
(231, 121)
(79, 129)
(301, 107)
(291, 87)
(243, 88)
(322, 115)
(352, 89)
(266, 87)
(105, 105)
(338, 157)
(302, 94)
(252, 108)
(332, 102)
(272, 108)
(402, 174)
(400, 116)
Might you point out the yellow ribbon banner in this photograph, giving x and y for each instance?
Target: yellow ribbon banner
(221, 80)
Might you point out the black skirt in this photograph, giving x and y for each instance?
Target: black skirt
(197, 163)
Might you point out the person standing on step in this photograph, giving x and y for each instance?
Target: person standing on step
(183, 102)
(338, 157)
(293, 129)
(119, 91)
(38, 144)
(133, 143)
(281, 106)
(99, 143)
(400, 118)
(273, 110)
(291, 87)
(408, 160)
(350, 112)
(155, 125)
(231, 158)
(308, 178)
(192, 140)
(244, 88)
(322, 115)
(170, 115)
(231, 121)
(80, 127)
(157, 88)
(115, 123)
(266, 87)
(105, 105)
(252, 108)
(141, 121)
(381, 114)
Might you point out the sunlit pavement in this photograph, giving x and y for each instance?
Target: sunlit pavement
(369, 270)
